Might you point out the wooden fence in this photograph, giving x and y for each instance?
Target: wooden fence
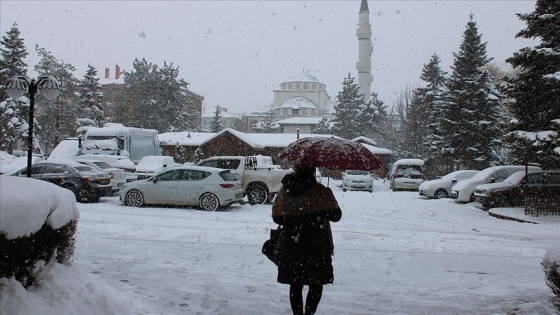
(542, 200)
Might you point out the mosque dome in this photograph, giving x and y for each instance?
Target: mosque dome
(303, 77)
(298, 103)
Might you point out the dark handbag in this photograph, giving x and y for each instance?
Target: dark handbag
(270, 245)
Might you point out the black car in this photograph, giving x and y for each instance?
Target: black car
(85, 182)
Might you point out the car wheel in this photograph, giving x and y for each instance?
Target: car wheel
(471, 199)
(209, 202)
(441, 193)
(257, 194)
(134, 198)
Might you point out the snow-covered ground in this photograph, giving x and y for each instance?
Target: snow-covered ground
(395, 253)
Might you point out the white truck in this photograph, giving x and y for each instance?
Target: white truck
(260, 178)
(116, 139)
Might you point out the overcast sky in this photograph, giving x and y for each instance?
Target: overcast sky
(235, 53)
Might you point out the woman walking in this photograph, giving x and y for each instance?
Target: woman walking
(305, 208)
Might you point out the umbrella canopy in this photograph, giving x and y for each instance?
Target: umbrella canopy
(330, 152)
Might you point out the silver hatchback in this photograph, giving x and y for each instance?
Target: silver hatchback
(208, 188)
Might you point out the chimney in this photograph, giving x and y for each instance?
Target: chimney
(106, 73)
(117, 72)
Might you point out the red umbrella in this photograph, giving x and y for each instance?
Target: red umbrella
(330, 152)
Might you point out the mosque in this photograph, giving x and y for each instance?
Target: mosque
(302, 101)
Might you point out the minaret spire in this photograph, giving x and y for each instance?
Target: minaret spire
(364, 53)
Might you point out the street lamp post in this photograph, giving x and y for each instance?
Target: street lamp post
(17, 86)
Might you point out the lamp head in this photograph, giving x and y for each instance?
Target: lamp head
(48, 86)
(17, 86)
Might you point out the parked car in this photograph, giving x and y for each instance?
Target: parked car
(357, 180)
(464, 190)
(406, 174)
(510, 192)
(150, 166)
(208, 188)
(117, 161)
(441, 188)
(85, 182)
(118, 177)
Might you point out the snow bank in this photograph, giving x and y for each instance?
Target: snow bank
(44, 202)
(64, 288)
(552, 256)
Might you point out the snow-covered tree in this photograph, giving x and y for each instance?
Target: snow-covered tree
(180, 154)
(158, 99)
(430, 98)
(57, 118)
(198, 155)
(91, 111)
(14, 114)
(372, 119)
(350, 105)
(536, 89)
(323, 127)
(215, 126)
(470, 119)
(12, 57)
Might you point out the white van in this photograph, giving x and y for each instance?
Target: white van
(406, 174)
(150, 166)
(464, 191)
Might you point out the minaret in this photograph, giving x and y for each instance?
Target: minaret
(364, 53)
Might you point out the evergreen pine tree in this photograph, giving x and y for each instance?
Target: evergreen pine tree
(431, 100)
(57, 118)
(91, 111)
(323, 127)
(158, 99)
(198, 155)
(269, 125)
(215, 126)
(180, 155)
(536, 90)
(471, 114)
(350, 105)
(12, 61)
(14, 114)
(371, 120)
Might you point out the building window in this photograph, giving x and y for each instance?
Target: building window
(314, 86)
(297, 86)
(306, 86)
(286, 111)
(304, 112)
(289, 86)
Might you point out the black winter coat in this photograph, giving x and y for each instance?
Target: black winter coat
(304, 248)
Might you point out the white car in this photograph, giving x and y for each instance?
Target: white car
(441, 188)
(150, 166)
(208, 188)
(117, 161)
(118, 177)
(357, 180)
(464, 191)
(406, 174)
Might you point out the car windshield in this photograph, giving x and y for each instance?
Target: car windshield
(84, 168)
(227, 176)
(103, 165)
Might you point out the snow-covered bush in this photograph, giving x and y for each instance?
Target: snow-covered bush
(38, 222)
(551, 267)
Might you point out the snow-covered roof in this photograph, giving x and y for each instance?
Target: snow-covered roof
(377, 150)
(300, 121)
(365, 139)
(184, 138)
(256, 140)
(298, 102)
(409, 162)
(303, 77)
